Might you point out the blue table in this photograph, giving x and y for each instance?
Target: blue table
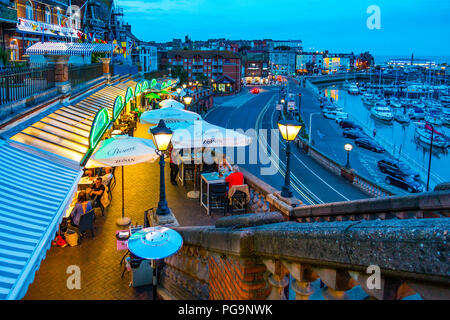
(208, 179)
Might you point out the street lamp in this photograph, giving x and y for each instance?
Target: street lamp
(348, 147)
(431, 153)
(184, 86)
(162, 136)
(289, 130)
(187, 101)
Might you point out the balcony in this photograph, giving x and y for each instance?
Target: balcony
(7, 11)
(197, 63)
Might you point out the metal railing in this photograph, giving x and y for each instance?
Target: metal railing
(22, 82)
(82, 74)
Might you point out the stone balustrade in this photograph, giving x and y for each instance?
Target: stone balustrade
(265, 198)
(424, 205)
(259, 256)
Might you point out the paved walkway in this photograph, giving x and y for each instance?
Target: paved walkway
(98, 258)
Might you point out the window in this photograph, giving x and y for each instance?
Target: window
(48, 15)
(29, 11)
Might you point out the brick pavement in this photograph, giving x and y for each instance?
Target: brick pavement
(97, 257)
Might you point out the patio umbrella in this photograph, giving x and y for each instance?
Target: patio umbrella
(202, 134)
(174, 118)
(152, 95)
(171, 103)
(121, 151)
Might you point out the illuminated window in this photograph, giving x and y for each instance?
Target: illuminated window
(48, 16)
(29, 10)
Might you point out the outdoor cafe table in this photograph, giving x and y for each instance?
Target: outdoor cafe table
(85, 182)
(208, 179)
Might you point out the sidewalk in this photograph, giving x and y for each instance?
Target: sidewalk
(98, 258)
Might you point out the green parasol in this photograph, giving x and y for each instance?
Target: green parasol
(152, 96)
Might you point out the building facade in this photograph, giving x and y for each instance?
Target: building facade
(309, 62)
(222, 68)
(282, 62)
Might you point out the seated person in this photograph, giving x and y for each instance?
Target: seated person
(236, 178)
(96, 191)
(81, 207)
(106, 179)
(223, 165)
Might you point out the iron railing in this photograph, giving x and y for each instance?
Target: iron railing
(18, 83)
(81, 74)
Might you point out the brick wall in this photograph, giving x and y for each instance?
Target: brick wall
(236, 279)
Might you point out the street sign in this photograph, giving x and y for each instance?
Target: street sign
(291, 105)
(279, 107)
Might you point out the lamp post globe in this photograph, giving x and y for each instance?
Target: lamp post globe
(348, 147)
(162, 136)
(289, 130)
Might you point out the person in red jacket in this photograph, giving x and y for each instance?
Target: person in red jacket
(236, 178)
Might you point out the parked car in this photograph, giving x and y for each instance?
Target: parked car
(354, 134)
(369, 144)
(335, 114)
(349, 124)
(339, 119)
(397, 169)
(406, 183)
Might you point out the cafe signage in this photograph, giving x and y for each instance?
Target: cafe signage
(118, 107)
(99, 126)
(169, 83)
(128, 95)
(153, 84)
(163, 85)
(145, 86)
(138, 90)
(291, 105)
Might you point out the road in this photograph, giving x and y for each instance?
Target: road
(311, 183)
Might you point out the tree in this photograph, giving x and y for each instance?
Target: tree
(202, 78)
(179, 72)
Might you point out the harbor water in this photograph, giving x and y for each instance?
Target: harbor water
(398, 139)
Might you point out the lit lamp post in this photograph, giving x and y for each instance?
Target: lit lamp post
(289, 130)
(282, 101)
(179, 92)
(184, 86)
(161, 136)
(187, 101)
(348, 147)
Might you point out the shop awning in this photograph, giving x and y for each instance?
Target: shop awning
(70, 49)
(35, 189)
(65, 132)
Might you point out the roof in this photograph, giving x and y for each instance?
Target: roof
(70, 49)
(203, 54)
(225, 79)
(65, 132)
(29, 216)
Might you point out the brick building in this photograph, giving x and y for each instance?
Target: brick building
(256, 67)
(221, 68)
(45, 20)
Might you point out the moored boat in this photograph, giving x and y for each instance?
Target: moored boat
(382, 112)
(402, 118)
(424, 135)
(353, 89)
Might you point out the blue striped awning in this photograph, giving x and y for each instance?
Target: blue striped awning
(35, 189)
(70, 49)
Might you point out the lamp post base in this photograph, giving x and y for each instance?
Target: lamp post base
(193, 194)
(123, 221)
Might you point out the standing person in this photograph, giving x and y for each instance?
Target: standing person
(173, 165)
(374, 132)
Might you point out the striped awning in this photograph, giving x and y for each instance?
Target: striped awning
(35, 189)
(70, 49)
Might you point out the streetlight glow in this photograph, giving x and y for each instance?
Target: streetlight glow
(161, 136)
(348, 147)
(289, 129)
(187, 100)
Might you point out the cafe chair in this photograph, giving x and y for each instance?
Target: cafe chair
(98, 204)
(86, 223)
(217, 197)
(238, 197)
